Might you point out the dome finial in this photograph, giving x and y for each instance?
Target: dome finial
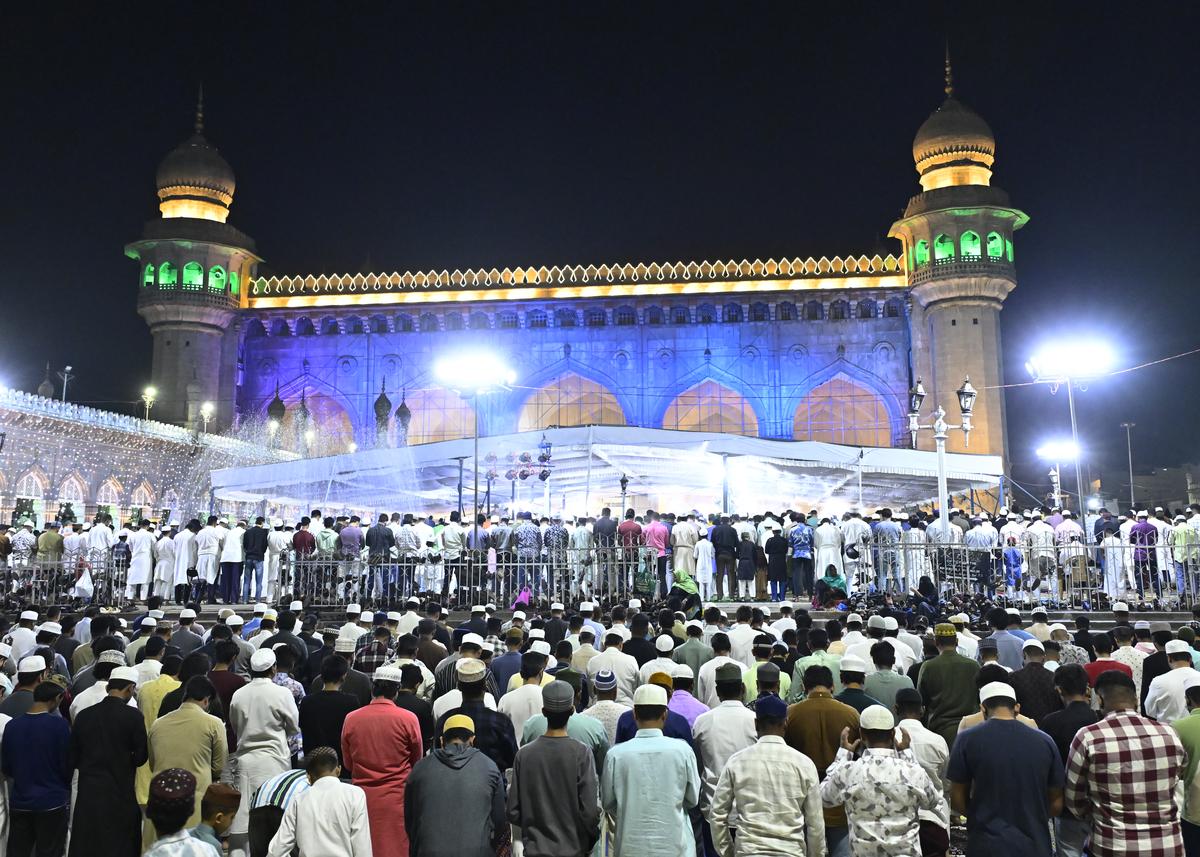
(199, 125)
(949, 73)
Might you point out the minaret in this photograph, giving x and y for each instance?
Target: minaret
(193, 271)
(958, 250)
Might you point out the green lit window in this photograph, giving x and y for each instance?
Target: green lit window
(943, 248)
(1008, 248)
(921, 252)
(193, 276)
(167, 276)
(969, 246)
(148, 277)
(234, 286)
(216, 279)
(995, 245)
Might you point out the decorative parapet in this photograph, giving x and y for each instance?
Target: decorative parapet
(676, 272)
(33, 405)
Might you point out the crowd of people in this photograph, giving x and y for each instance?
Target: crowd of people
(1037, 555)
(622, 729)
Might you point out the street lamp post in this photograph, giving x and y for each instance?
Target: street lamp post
(1070, 364)
(941, 430)
(1056, 453)
(473, 375)
(624, 488)
(1129, 449)
(148, 397)
(206, 414)
(66, 376)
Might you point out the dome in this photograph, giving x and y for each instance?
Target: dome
(383, 406)
(193, 180)
(276, 409)
(954, 146)
(195, 163)
(403, 414)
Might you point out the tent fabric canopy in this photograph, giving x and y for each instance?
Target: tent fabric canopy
(588, 462)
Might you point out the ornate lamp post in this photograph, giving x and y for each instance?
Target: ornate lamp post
(941, 430)
(206, 414)
(149, 395)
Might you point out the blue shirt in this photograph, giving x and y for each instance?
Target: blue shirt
(1009, 768)
(649, 784)
(1009, 646)
(677, 727)
(505, 667)
(35, 753)
(800, 541)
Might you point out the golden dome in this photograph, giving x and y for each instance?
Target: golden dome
(954, 146)
(194, 180)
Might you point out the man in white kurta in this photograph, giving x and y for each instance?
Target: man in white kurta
(278, 541)
(683, 543)
(100, 540)
(827, 548)
(141, 562)
(330, 817)
(263, 716)
(185, 558)
(208, 552)
(164, 564)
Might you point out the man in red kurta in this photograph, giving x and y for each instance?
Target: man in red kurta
(380, 744)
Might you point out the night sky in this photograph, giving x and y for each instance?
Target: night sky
(484, 134)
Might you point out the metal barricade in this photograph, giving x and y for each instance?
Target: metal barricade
(67, 581)
(506, 578)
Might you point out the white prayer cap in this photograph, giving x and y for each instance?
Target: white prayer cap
(557, 605)
(112, 656)
(471, 640)
(876, 717)
(296, 605)
(851, 664)
(488, 647)
(187, 613)
(537, 633)
(344, 644)
(388, 674)
(260, 608)
(586, 607)
(786, 605)
(366, 616)
(393, 616)
(665, 643)
(5, 650)
(157, 614)
(877, 623)
(1158, 508)
(29, 615)
(1178, 647)
(650, 694)
(541, 647)
(490, 607)
(277, 522)
(353, 608)
(149, 622)
(997, 689)
(31, 664)
(854, 617)
(270, 616)
(1012, 611)
(412, 599)
(682, 671)
(1033, 644)
(635, 603)
(1120, 607)
(50, 628)
(519, 614)
(1066, 513)
(1143, 514)
(890, 623)
(478, 608)
(124, 674)
(262, 660)
(1058, 626)
(235, 621)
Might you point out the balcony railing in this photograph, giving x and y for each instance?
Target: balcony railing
(958, 267)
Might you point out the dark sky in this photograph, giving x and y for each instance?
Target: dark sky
(480, 134)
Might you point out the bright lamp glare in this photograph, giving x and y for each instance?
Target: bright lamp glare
(1063, 450)
(1082, 359)
(475, 373)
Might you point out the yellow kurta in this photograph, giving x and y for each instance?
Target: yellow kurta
(192, 739)
(150, 696)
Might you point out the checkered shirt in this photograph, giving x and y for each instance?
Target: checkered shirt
(1121, 773)
(371, 657)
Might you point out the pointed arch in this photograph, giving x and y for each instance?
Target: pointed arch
(943, 248)
(109, 492)
(32, 485)
(142, 496)
(827, 413)
(995, 245)
(921, 252)
(969, 245)
(73, 490)
(570, 400)
(168, 275)
(216, 279)
(193, 276)
(710, 406)
(148, 277)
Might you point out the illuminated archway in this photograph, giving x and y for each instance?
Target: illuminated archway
(712, 407)
(332, 429)
(437, 414)
(841, 411)
(570, 400)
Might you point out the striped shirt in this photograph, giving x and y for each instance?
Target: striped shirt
(281, 789)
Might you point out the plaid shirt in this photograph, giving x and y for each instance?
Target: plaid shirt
(371, 657)
(1121, 773)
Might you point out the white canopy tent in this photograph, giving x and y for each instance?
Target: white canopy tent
(672, 470)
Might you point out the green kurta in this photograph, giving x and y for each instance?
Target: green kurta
(947, 684)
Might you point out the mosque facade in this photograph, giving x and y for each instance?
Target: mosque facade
(819, 349)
